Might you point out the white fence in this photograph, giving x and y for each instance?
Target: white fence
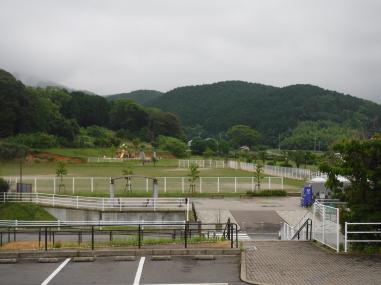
(375, 230)
(325, 225)
(289, 172)
(95, 203)
(73, 185)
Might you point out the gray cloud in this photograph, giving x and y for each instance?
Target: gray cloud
(117, 46)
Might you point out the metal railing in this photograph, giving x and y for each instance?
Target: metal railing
(288, 231)
(307, 228)
(370, 233)
(96, 203)
(74, 234)
(326, 225)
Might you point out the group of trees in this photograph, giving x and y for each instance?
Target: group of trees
(46, 117)
(296, 116)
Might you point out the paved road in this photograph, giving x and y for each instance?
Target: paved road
(294, 263)
(179, 270)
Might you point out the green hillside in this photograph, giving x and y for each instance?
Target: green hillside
(272, 111)
(139, 96)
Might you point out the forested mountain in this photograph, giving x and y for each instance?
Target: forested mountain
(53, 116)
(139, 96)
(274, 112)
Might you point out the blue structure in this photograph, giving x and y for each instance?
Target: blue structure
(307, 196)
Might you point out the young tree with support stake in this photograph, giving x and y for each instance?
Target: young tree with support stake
(258, 175)
(61, 171)
(194, 174)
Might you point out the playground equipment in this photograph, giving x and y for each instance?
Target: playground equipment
(155, 184)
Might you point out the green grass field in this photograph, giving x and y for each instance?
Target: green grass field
(24, 211)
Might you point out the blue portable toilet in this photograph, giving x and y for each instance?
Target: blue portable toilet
(307, 196)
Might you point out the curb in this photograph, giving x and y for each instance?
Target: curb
(48, 260)
(116, 253)
(8, 260)
(161, 257)
(125, 258)
(204, 257)
(84, 259)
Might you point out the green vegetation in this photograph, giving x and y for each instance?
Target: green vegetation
(267, 193)
(210, 109)
(24, 211)
(360, 163)
(139, 96)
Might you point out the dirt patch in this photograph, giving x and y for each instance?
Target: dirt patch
(50, 157)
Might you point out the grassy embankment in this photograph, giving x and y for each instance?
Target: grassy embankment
(24, 211)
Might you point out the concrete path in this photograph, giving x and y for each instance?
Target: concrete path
(297, 262)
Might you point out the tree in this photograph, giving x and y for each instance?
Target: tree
(208, 153)
(298, 157)
(175, 146)
(4, 186)
(258, 175)
(193, 175)
(360, 163)
(61, 171)
(241, 135)
(126, 114)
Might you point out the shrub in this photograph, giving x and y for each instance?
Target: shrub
(267, 193)
(9, 151)
(4, 186)
(175, 146)
(35, 140)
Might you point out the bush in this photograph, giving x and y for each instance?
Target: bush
(267, 193)
(175, 146)
(4, 186)
(9, 151)
(35, 140)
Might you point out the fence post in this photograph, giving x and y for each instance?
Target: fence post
(337, 229)
(187, 209)
(182, 184)
(323, 224)
(282, 183)
(92, 184)
(313, 220)
(235, 184)
(77, 203)
(139, 236)
(345, 237)
(146, 184)
(165, 184)
(73, 185)
(269, 183)
(54, 185)
(218, 184)
(35, 185)
(53, 199)
(46, 238)
(200, 184)
(92, 237)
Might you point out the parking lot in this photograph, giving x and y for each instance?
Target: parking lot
(144, 270)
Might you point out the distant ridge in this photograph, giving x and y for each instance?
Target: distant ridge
(139, 96)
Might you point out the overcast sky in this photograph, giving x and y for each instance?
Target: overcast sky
(118, 46)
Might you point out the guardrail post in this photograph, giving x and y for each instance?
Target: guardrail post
(346, 237)
(139, 236)
(186, 235)
(235, 184)
(92, 184)
(39, 238)
(46, 238)
(92, 237)
(323, 224)
(73, 185)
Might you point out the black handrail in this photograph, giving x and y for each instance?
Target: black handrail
(308, 225)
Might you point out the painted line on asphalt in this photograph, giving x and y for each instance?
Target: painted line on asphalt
(55, 272)
(139, 271)
(190, 284)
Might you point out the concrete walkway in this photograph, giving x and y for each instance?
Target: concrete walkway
(298, 262)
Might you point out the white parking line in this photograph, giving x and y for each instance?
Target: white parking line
(139, 271)
(191, 284)
(55, 272)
